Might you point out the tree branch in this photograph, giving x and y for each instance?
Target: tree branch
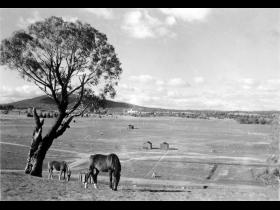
(39, 123)
(81, 96)
(64, 126)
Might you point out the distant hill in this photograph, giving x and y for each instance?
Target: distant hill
(47, 103)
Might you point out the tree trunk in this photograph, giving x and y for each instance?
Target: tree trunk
(39, 157)
(38, 164)
(40, 146)
(36, 140)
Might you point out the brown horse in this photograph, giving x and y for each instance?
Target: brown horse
(62, 167)
(104, 163)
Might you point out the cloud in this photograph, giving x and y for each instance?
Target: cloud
(24, 22)
(248, 83)
(175, 93)
(198, 80)
(177, 82)
(186, 14)
(101, 12)
(170, 20)
(70, 18)
(140, 24)
(148, 79)
(10, 94)
(142, 78)
(271, 85)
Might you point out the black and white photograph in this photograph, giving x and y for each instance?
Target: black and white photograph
(139, 104)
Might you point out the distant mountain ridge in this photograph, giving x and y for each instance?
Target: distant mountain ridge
(47, 103)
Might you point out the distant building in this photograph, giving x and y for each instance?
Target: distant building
(131, 111)
(130, 126)
(147, 145)
(164, 146)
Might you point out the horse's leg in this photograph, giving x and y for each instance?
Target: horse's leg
(64, 175)
(91, 178)
(95, 178)
(85, 178)
(49, 174)
(110, 177)
(60, 174)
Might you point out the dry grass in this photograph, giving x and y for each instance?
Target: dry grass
(198, 145)
(17, 186)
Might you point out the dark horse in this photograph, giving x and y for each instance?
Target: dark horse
(104, 163)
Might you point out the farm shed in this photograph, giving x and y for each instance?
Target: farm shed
(130, 126)
(147, 145)
(164, 146)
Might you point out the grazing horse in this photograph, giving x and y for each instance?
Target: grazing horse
(62, 167)
(104, 163)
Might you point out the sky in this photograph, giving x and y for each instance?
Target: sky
(181, 58)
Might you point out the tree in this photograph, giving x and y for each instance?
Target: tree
(64, 59)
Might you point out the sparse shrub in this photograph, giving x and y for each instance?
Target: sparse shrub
(269, 176)
(5, 111)
(276, 172)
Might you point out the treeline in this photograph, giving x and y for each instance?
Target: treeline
(44, 114)
(6, 107)
(254, 120)
(241, 117)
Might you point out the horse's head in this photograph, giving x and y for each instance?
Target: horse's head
(116, 180)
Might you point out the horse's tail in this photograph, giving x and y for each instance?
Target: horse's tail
(116, 164)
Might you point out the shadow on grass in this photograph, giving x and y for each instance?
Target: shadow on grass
(150, 190)
(154, 190)
(157, 148)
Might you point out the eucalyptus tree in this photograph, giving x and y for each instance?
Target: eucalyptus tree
(65, 60)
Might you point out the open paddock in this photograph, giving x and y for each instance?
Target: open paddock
(207, 152)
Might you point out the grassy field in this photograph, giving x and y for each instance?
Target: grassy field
(202, 151)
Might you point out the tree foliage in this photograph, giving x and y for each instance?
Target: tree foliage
(63, 58)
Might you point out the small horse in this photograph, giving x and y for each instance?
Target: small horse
(104, 163)
(62, 167)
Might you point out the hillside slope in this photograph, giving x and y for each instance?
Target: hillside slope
(47, 103)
